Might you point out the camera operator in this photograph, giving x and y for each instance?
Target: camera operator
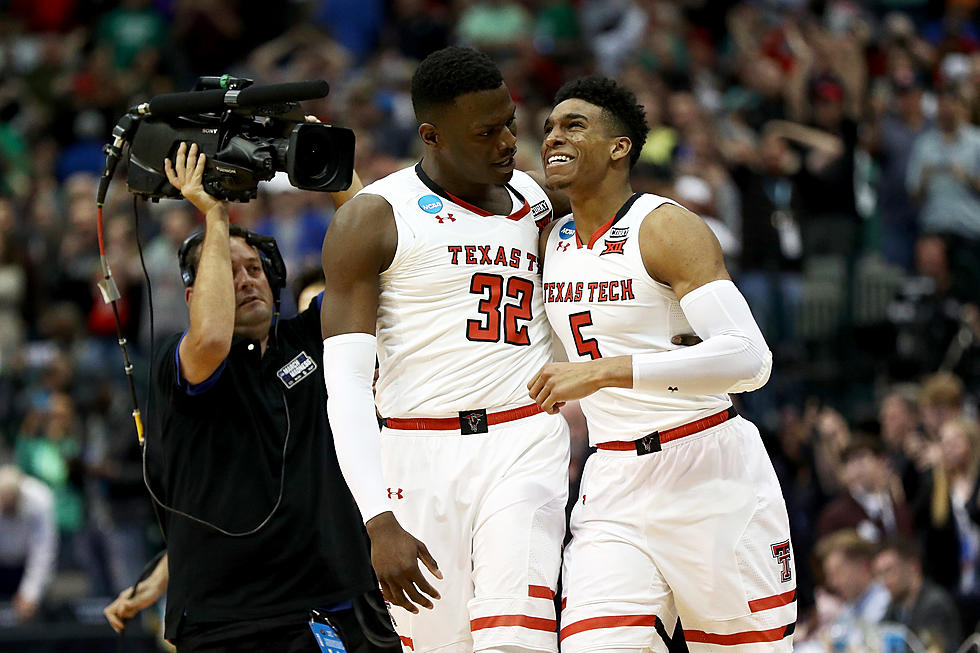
(237, 418)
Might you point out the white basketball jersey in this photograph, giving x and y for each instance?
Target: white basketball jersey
(461, 324)
(602, 303)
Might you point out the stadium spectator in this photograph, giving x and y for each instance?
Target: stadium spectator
(28, 541)
(947, 513)
(917, 603)
(846, 561)
(871, 503)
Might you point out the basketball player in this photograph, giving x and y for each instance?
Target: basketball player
(434, 270)
(680, 511)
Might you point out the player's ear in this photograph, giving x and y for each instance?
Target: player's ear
(429, 134)
(621, 148)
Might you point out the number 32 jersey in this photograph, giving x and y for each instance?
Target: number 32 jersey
(602, 303)
(461, 322)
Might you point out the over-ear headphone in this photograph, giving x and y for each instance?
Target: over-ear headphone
(272, 263)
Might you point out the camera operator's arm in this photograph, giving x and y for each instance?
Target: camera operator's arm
(212, 297)
(342, 196)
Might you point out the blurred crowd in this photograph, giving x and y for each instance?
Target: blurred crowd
(832, 146)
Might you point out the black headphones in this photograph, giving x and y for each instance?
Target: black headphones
(272, 263)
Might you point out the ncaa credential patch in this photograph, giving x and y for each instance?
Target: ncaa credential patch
(296, 370)
(430, 204)
(539, 208)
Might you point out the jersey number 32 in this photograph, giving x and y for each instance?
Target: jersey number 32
(497, 318)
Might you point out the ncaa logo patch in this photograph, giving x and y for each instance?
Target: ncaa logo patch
(430, 204)
(296, 370)
(567, 230)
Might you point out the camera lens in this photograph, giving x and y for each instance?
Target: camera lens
(320, 157)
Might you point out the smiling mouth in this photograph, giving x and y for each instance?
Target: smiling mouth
(556, 160)
(506, 163)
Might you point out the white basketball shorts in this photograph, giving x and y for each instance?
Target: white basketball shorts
(698, 530)
(491, 510)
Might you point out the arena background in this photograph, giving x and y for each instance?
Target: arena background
(799, 130)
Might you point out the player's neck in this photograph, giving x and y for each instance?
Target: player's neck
(594, 207)
(479, 194)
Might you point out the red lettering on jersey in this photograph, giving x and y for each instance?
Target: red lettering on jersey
(546, 289)
(613, 247)
(501, 258)
(603, 287)
(485, 255)
(471, 254)
(613, 286)
(455, 250)
(627, 289)
(532, 262)
(569, 296)
(559, 289)
(592, 287)
(515, 258)
(579, 287)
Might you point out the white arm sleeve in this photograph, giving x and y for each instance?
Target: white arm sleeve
(733, 356)
(348, 370)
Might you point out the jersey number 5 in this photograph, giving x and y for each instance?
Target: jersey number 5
(584, 346)
(491, 287)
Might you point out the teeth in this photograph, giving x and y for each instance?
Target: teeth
(559, 158)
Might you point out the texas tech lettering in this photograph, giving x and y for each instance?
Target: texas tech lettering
(594, 291)
(491, 255)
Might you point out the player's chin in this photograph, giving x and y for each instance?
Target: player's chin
(503, 172)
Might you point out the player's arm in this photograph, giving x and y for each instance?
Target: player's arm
(359, 245)
(680, 250)
(212, 304)
(560, 204)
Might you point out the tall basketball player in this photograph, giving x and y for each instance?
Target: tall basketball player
(680, 511)
(434, 270)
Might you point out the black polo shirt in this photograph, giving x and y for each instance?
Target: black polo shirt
(215, 453)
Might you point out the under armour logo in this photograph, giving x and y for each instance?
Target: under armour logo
(449, 217)
(395, 494)
(781, 552)
(562, 247)
(672, 388)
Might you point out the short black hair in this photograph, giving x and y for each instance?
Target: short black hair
(446, 74)
(618, 103)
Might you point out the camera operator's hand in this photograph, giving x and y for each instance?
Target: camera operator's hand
(185, 175)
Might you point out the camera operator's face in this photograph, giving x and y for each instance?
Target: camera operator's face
(478, 136)
(253, 295)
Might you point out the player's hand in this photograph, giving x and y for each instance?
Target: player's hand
(556, 383)
(395, 555)
(127, 604)
(185, 174)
